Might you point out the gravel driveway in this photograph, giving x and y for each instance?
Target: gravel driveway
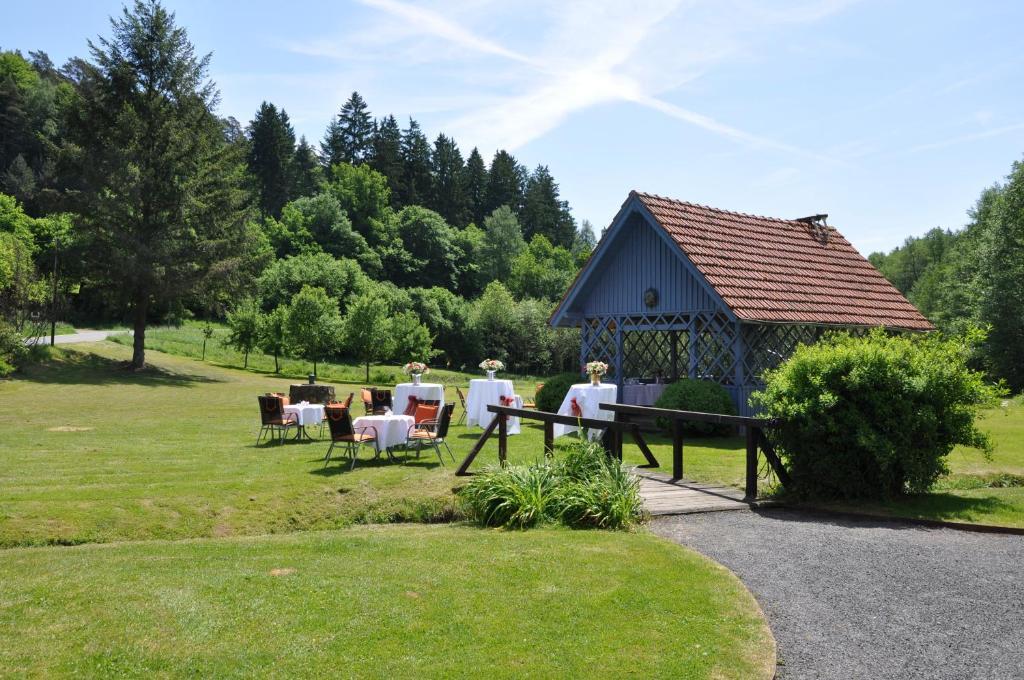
(872, 599)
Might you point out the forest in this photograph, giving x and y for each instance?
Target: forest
(973, 278)
(126, 197)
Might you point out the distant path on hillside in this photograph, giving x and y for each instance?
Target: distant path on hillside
(872, 599)
(80, 336)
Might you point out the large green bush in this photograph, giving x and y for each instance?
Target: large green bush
(874, 416)
(12, 349)
(584, 489)
(550, 397)
(704, 396)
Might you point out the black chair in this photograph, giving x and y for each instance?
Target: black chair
(273, 418)
(381, 400)
(339, 420)
(433, 432)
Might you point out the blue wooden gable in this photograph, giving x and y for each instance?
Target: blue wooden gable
(636, 255)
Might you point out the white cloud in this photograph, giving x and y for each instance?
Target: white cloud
(972, 137)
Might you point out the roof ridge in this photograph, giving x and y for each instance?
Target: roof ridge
(795, 222)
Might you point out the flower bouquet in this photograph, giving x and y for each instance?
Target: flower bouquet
(415, 369)
(596, 369)
(491, 366)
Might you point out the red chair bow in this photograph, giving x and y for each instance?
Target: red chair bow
(410, 408)
(577, 412)
(507, 401)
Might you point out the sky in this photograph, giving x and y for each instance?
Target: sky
(889, 115)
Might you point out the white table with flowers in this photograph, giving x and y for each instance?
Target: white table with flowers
(484, 392)
(391, 429)
(305, 414)
(422, 391)
(582, 401)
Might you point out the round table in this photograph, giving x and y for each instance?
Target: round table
(642, 395)
(392, 429)
(588, 396)
(423, 391)
(305, 414)
(483, 393)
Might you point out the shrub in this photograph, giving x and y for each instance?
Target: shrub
(517, 496)
(13, 351)
(550, 397)
(585, 489)
(697, 395)
(874, 416)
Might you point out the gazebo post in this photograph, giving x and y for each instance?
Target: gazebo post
(692, 364)
(619, 381)
(673, 336)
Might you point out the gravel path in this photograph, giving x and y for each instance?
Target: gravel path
(870, 599)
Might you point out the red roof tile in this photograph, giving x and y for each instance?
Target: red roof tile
(783, 271)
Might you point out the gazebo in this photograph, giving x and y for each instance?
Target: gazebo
(676, 289)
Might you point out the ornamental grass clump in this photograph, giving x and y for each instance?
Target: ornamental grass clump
(874, 416)
(584, 489)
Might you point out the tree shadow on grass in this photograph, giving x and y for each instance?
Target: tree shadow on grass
(86, 368)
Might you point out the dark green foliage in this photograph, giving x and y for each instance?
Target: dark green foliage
(505, 182)
(430, 242)
(12, 348)
(704, 396)
(307, 174)
(875, 416)
(270, 158)
(417, 180)
(313, 327)
(584, 490)
(544, 213)
(386, 155)
(244, 323)
(550, 397)
(542, 270)
(475, 184)
(163, 198)
(502, 244)
(349, 136)
(363, 194)
(449, 195)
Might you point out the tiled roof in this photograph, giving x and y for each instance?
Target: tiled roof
(783, 271)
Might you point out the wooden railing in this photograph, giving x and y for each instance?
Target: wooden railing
(624, 423)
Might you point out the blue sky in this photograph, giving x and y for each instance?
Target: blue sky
(891, 116)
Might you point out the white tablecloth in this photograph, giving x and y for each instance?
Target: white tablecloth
(641, 395)
(429, 391)
(482, 393)
(392, 429)
(306, 414)
(587, 397)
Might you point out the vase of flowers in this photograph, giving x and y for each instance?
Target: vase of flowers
(492, 366)
(596, 369)
(416, 369)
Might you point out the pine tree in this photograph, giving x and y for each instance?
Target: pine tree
(417, 182)
(163, 198)
(332, 146)
(350, 134)
(271, 153)
(505, 183)
(544, 213)
(449, 197)
(386, 155)
(475, 185)
(307, 175)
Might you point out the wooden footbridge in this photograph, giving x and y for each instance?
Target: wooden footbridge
(662, 494)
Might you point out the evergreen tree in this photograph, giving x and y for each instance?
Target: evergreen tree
(307, 175)
(386, 155)
(449, 182)
(164, 198)
(271, 153)
(544, 213)
(475, 186)
(416, 178)
(332, 146)
(504, 183)
(502, 245)
(350, 134)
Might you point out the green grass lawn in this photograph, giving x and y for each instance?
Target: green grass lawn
(92, 453)
(395, 601)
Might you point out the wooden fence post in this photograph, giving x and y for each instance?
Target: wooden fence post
(751, 491)
(549, 438)
(502, 440)
(677, 449)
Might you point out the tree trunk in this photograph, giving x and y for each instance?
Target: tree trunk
(314, 368)
(139, 327)
(367, 372)
(245, 362)
(277, 369)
